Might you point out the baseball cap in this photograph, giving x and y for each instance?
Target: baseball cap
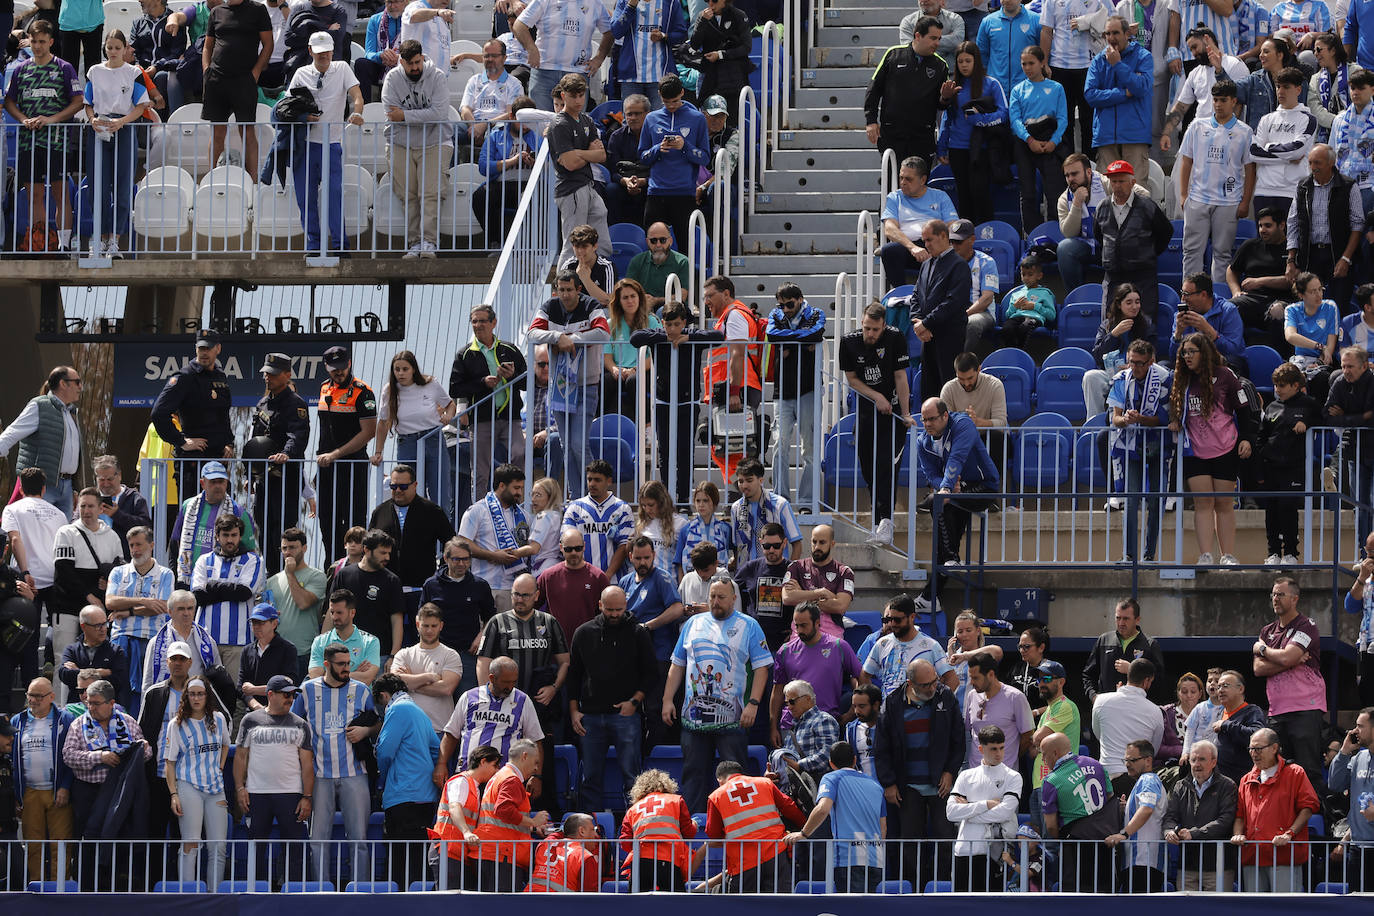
(280, 683)
(264, 611)
(276, 364)
(207, 338)
(961, 230)
(214, 470)
(1120, 167)
(321, 41)
(715, 105)
(336, 357)
(179, 648)
(1050, 668)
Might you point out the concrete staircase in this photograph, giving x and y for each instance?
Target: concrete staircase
(823, 171)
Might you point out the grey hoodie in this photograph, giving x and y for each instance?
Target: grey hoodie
(426, 106)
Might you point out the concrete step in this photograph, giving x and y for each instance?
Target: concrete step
(881, 8)
(790, 263)
(819, 202)
(864, 16)
(809, 138)
(870, 36)
(800, 243)
(846, 117)
(857, 179)
(850, 55)
(801, 159)
(797, 226)
(819, 289)
(830, 97)
(837, 77)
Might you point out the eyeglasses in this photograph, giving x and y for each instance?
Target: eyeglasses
(319, 83)
(402, 486)
(771, 546)
(1024, 646)
(542, 364)
(101, 704)
(893, 619)
(659, 238)
(74, 381)
(1255, 748)
(573, 549)
(515, 594)
(791, 701)
(1132, 759)
(97, 625)
(38, 696)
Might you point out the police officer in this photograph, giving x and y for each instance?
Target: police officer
(281, 431)
(347, 413)
(199, 398)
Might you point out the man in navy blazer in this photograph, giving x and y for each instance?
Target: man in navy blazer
(939, 307)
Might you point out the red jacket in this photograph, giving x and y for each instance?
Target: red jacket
(748, 813)
(562, 866)
(1267, 809)
(659, 822)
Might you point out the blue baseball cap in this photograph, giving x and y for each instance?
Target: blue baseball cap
(1050, 669)
(264, 611)
(214, 470)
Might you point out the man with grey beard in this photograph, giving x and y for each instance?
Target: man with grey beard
(651, 268)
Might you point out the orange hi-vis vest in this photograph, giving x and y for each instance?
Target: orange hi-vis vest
(717, 367)
(460, 792)
(499, 839)
(558, 867)
(656, 822)
(747, 813)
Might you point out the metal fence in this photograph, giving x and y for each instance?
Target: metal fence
(740, 867)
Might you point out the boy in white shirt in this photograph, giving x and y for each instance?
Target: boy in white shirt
(983, 803)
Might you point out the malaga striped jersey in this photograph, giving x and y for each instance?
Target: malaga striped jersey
(1072, 49)
(1193, 13)
(227, 621)
(567, 30)
(747, 520)
(480, 718)
(1302, 16)
(125, 582)
(164, 733)
(1220, 153)
(697, 529)
(195, 751)
(1352, 137)
(605, 526)
(328, 710)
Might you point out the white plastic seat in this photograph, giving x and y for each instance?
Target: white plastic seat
(120, 14)
(357, 200)
(185, 141)
(365, 144)
(171, 176)
(162, 211)
(388, 211)
(471, 19)
(374, 112)
(222, 175)
(222, 212)
(458, 76)
(457, 219)
(356, 52)
(276, 215)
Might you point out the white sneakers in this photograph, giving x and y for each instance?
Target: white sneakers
(1273, 560)
(106, 248)
(1228, 560)
(1116, 504)
(881, 534)
(426, 250)
(1204, 559)
(1290, 560)
(924, 605)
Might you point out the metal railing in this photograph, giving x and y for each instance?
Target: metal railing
(520, 280)
(987, 862)
(156, 189)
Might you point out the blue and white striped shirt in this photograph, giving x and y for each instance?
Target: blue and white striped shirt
(195, 752)
(717, 531)
(480, 719)
(125, 582)
(328, 710)
(566, 31)
(227, 621)
(164, 733)
(1071, 48)
(1193, 13)
(651, 59)
(1220, 153)
(605, 526)
(747, 520)
(1302, 16)
(1352, 137)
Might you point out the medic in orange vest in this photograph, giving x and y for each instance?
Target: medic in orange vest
(736, 365)
(659, 820)
(460, 802)
(504, 822)
(747, 812)
(563, 863)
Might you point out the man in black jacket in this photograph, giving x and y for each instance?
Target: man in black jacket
(939, 308)
(420, 538)
(919, 785)
(1202, 810)
(1111, 657)
(906, 94)
(94, 652)
(159, 706)
(1350, 403)
(280, 433)
(267, 655)
(1131, 232)
(490, 375)
(1320, 241)
(611, 671)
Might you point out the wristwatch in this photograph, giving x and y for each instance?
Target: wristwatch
(636, 701)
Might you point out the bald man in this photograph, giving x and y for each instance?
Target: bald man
(1078, 805)
(821, 579)
(568, 590)
(613, 670)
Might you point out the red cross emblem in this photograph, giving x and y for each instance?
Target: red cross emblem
(743, 793)
(653, 806)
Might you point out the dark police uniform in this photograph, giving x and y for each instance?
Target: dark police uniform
(200, 400)
(285, 420)
(343, 487)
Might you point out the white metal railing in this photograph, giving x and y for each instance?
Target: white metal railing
(865, 261)
(801, 28)
(702, 268)
(722, 197)
(520, 281)
(887, 178)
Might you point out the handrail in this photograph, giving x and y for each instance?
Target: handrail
(700, 269)
(865, 282)
(887, 174)
(519, 281)
(750, 148)
(723, 228)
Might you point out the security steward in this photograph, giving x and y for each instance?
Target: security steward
(747, 812)
(199, 397)
(281, 431)
(347, 413)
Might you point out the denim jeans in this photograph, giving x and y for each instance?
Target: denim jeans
(603, 729)
(59, 494)
(796, 430)
(308, 174)
(1135, 470)
(438, 475)
(542, 82)
(648, 90)
(349, 795)
(699, 750)
(207, 812)
(574, 426)
(1075, 257)
(114, 181)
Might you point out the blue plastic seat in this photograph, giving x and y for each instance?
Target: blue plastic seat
(1316, 825)
(1017, 372)
(51, 887)
(1048, 230)
(1060, 389)
(180, 887)
(1171, 261)
(1070, 356)
(898, 315)
(1164, 327)
(840, 463)
(420, 886)
(947, 185)
(1084, 293)
(1088, 469)
(1004, 255)
(894, 887)
(1043, 456)
(669, 760)
(599, 113)
(1332, 887)
(307, 887)
(244, 887)
(566, 769)
(615, 887)
(612, 438)
(629, 234)
(1078, 324)
(809, 887)
(1245, 230)
(371, 887)
(757, 760)
(1002, 231)
(1170, 295)
(939, 887)
(1262, 360)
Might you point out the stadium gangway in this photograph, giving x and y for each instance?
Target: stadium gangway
(806, 866)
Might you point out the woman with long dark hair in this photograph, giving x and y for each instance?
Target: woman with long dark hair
(979, 103)
(197, 745)
(1124, 323)
(1039, 113)
(414, 406)
(627, 313)
(1257, 93)
(1209, 414)
(1328, 92)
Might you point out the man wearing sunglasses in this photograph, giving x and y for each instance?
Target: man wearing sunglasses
(760, 582)
(48, 436)
(1060, 717)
